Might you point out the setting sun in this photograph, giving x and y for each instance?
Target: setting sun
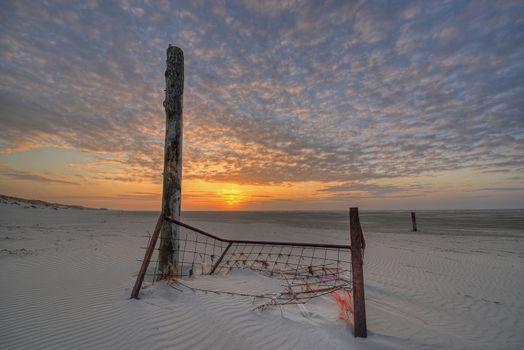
(232, 196)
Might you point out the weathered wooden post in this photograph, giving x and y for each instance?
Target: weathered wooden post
(171, 196)
(414, 221)
(358, 244)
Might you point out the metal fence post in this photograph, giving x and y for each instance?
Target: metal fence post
(357, 249)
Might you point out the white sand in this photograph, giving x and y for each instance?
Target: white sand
(66, 277)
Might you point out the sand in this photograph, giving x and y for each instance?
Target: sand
(67, 275)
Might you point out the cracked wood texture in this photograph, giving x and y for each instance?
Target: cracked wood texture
(172, 191)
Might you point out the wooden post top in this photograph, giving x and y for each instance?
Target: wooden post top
(174, 80)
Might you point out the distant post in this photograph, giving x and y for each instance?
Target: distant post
(358, 244)
(414, 221)
(172, 191)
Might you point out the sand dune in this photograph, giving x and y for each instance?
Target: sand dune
(71, 289)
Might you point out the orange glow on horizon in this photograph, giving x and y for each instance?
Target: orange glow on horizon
(105, 182)
(205, 195)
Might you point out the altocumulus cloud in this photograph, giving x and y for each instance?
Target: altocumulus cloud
(275, 92)
(27, 176)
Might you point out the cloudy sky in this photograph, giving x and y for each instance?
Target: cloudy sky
(287, 105)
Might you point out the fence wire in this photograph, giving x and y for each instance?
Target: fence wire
(308, 270)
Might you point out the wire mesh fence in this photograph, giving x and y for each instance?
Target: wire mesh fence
(308, 270)
(303, 265)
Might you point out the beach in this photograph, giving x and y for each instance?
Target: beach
(67, 274)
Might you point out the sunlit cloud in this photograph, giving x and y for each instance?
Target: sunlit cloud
(355, 97)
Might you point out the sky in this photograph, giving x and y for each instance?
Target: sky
(288, 105)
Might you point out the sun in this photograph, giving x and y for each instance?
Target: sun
(232, 194)
(232, 197)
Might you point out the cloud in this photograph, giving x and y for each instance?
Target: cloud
(368, 187)
(503, 189)
(139, 196)
(275, 92)
(365, 190)
(27, 176)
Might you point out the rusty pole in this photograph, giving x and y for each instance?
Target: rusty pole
(358, 245)
(147, 258)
